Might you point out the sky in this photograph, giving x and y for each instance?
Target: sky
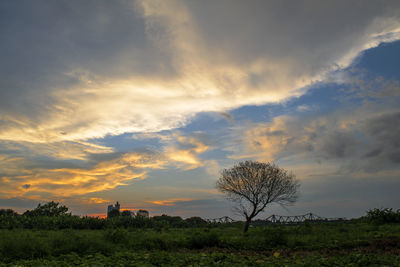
(145, 102)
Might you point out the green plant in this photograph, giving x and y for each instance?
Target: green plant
(203, 239)
(116, 236)
(383, 215)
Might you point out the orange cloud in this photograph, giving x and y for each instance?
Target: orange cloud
(61, 182)
(65, 182)
(185, 151)
(264, 140)
(180, 150)
(96, 200)
(169, 202)
(64, 150)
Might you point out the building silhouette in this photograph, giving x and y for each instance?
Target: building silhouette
(116, 209)
(110, 208)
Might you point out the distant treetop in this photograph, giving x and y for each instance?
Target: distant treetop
(49, 209)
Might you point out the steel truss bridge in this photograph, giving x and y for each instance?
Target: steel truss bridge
(278, 219)
(224, 219)
(293, 219)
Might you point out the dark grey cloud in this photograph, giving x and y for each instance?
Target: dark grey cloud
(370, 145)
(339, 144)
(384, 130)
(227, 116)
(373, 153)
(359, 136)
(48, 45)
(257, 28)
(26, 186)
(45, 36)
(385, 127)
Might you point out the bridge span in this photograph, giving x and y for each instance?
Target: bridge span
(281, 219)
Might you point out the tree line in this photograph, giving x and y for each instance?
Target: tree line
(53, 216)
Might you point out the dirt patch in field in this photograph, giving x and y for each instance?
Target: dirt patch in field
(390, 243)
(376, 246)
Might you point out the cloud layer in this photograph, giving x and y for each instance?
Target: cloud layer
(73, 76)
(24, 172)
(358, 137)
(73, 72)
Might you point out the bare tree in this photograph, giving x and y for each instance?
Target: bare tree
(253, 185)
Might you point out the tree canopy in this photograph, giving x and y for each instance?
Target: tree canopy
(49, 209)
(253, 185)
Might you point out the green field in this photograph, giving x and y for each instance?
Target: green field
(354, 243)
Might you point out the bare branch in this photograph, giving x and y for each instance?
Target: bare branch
(257, 184)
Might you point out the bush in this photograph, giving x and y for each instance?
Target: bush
(201, 240)
(196, 222)
(383, 215)
(48, 209)
(274, 237)
(154, 242)
(116, 236)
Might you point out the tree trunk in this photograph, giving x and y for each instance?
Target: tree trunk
(246, 225)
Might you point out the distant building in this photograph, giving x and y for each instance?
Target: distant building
(111, 208)
(143, 213)
(116, 207)
(128, 213)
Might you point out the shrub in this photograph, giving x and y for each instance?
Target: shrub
(116, 236)
(383, 215)
(201, 240)
(154, 242)
(48, 209)
(274, 237)
(196, 222)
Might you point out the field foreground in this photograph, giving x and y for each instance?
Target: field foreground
(325, 244)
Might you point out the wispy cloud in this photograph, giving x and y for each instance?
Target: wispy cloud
(169, 202)
(95, 200)
(28, 176)
(185, 151)
(65, 182)
(180, 149)
(63, 150)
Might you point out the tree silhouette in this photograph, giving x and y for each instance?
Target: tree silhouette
(126, 213)
(253, 185)
(49, 209)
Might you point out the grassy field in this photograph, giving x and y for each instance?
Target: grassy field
(325, 244)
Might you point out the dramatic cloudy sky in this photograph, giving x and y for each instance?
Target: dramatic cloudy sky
(145, 102)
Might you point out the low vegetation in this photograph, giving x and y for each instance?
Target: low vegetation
(52, 216)
(172, 241)
(382, 216)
